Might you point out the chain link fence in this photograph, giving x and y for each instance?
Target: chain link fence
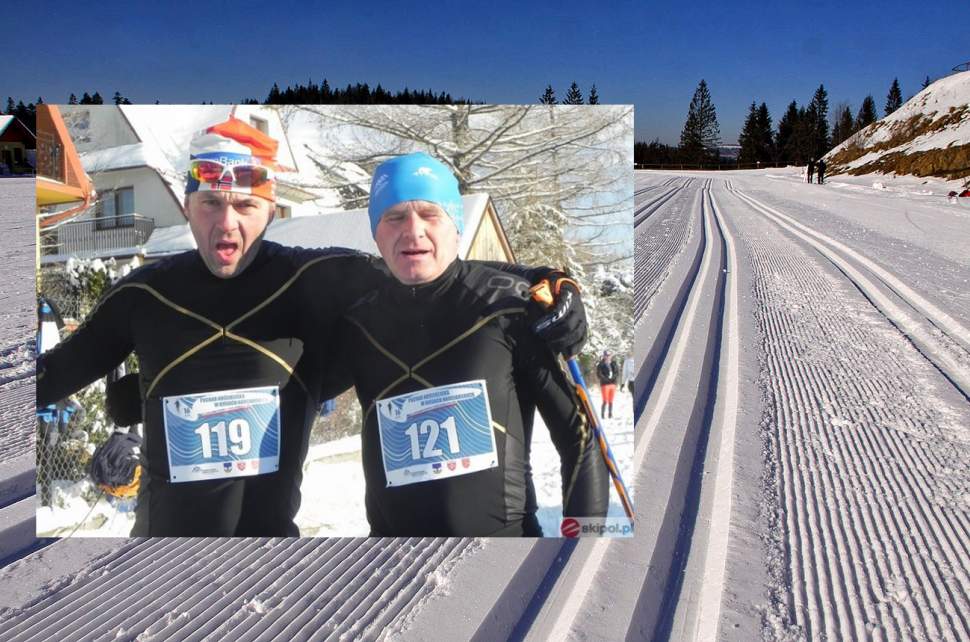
(69, 431)
(54, 285)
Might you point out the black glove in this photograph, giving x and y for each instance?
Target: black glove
(123, 400)
(114, 466)
(563, 325)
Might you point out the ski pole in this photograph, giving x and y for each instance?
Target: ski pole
(542, 294)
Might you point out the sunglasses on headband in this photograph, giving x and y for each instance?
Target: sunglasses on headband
(210, 171)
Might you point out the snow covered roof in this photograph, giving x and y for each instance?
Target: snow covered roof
(122, 157)
(343, 229)
(7, 120)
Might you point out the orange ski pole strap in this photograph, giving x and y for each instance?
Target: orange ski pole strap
(542, 293)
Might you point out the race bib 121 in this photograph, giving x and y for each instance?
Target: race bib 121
(436, 433)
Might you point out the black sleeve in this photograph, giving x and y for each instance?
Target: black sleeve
(531, 274)
(90, 352)
(585, 479)
(323, 367)
(315, 304)
(323, 290)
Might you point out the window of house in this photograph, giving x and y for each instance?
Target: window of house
(115, 208)
(259, 123)
(283, 211)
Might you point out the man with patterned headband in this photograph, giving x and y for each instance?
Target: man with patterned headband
(219, 332)
(449, 383)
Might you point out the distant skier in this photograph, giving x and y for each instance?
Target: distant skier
(607, 373)
(811, 169)
(821, 171)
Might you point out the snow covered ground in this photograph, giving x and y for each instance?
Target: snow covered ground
(854, 408)
(17, 329)
(800, 468)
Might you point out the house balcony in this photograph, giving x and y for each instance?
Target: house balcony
(102, 236)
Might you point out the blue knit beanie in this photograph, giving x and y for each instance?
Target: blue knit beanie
(414, 177)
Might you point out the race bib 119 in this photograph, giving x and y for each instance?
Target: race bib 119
(228, 433)
(436, 433)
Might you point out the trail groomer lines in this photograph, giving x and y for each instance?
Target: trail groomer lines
(948, 351)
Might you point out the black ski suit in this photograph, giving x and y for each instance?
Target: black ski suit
(194, 332)
(468, 324)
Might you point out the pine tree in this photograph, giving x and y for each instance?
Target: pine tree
(786, 127)
(763, 127)
(819, 118)
(894, 100)
(867, 113)
(274, 95)
(701, 135)
(548, 97)
(10, 106)
(96, 99)
(926, 82)
(844, 125)
(594, 98)
(574, 96)
(748, 137)
(27, 114)
(72, 100)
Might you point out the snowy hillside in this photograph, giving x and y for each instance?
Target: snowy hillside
(927, 136)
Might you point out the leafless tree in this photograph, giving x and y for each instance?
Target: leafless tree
(559, 175)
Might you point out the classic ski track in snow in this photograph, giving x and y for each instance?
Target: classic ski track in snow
(643, 597)
(649, 188)
(17, 322)
(712, 586)
(643, 212)
(937, 335)
(657, 239)
(867, 491)
(239, 589)
(17, 392)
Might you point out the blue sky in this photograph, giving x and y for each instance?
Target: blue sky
(650, 54)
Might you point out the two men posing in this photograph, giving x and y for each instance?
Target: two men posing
(239, 340)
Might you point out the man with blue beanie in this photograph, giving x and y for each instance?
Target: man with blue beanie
(449, 375)
(409, 192)
(414, 177)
